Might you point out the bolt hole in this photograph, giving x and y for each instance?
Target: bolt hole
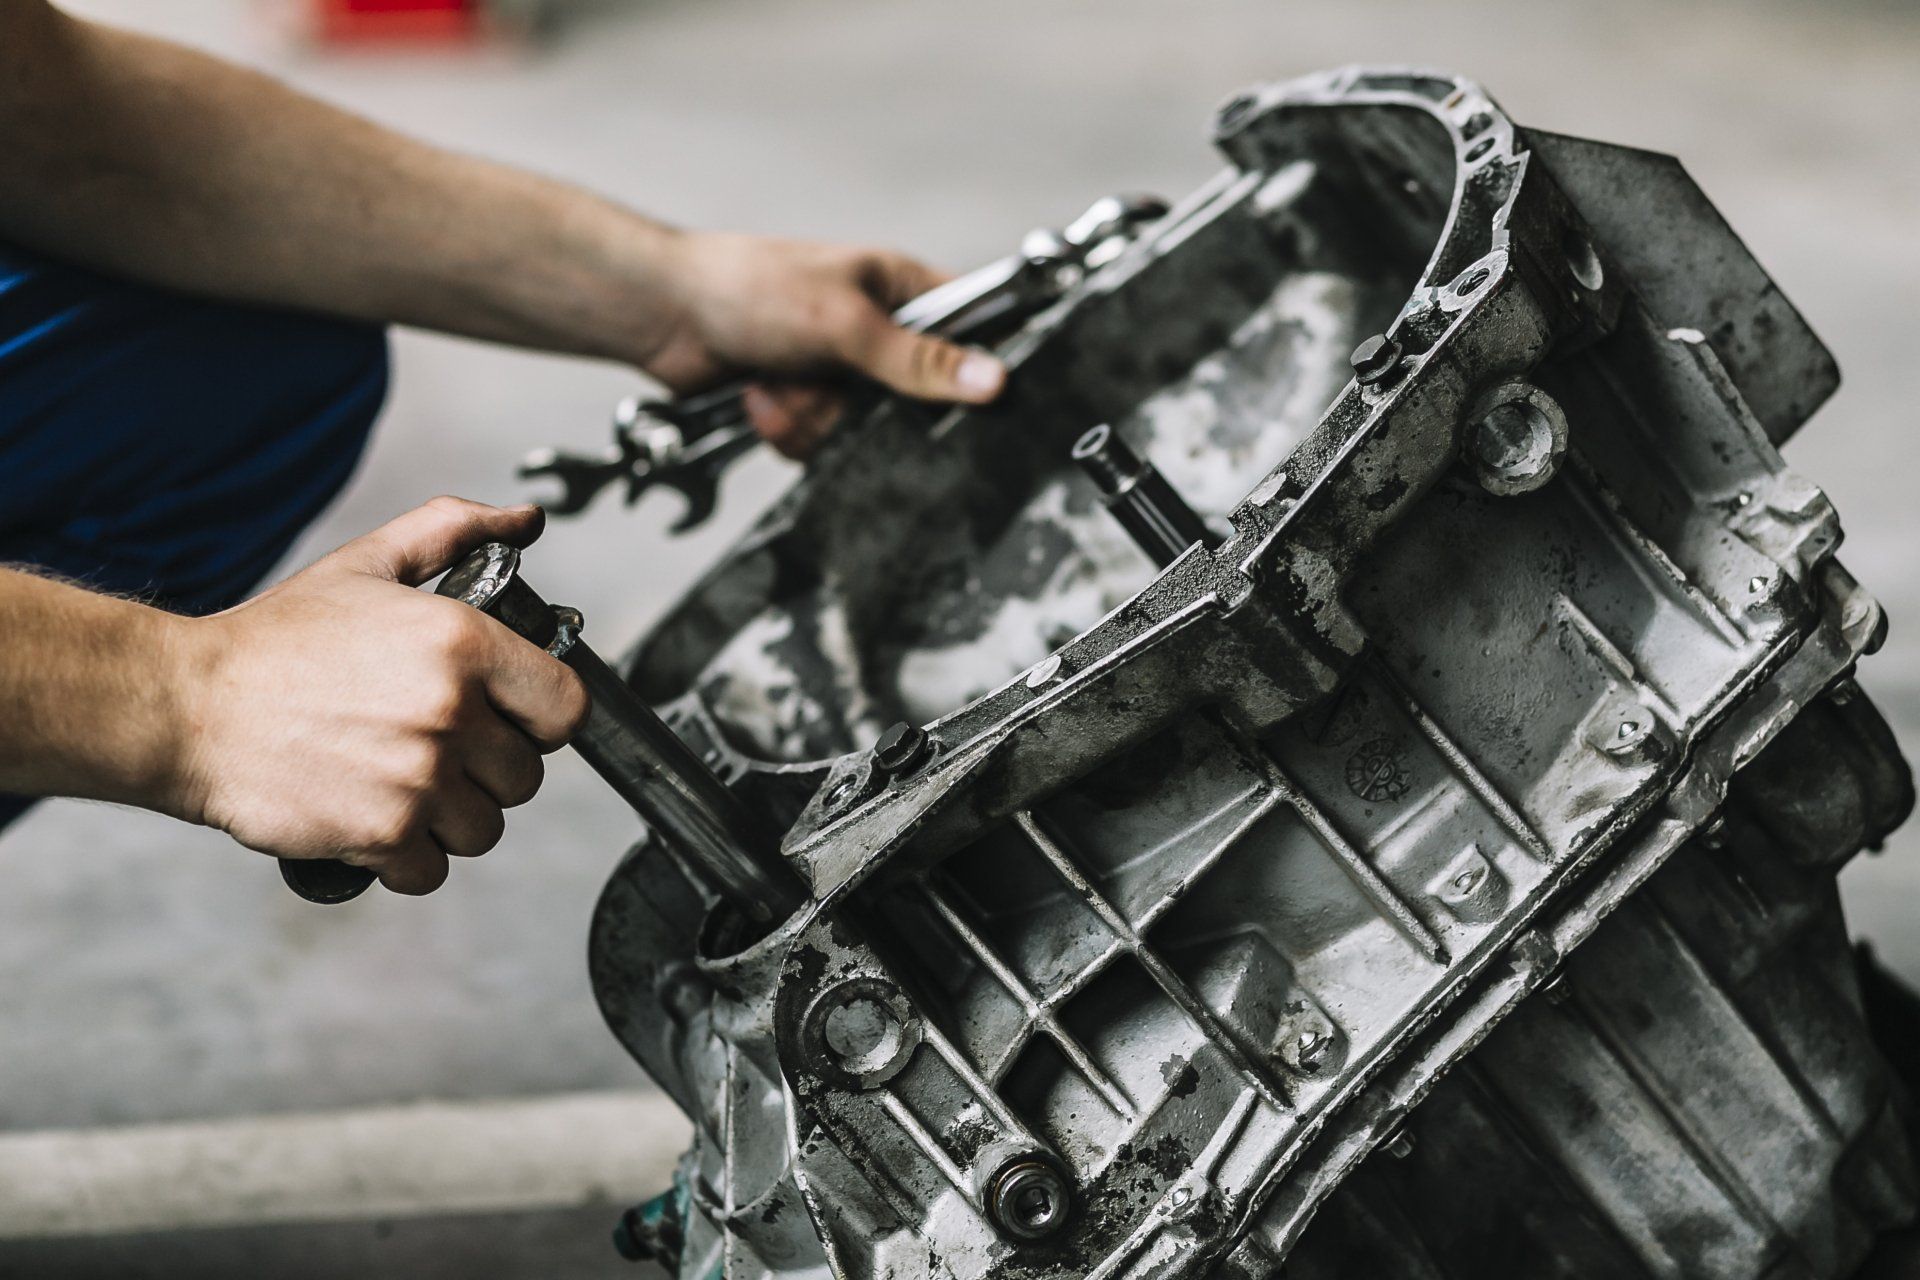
(1582, 261)
(1479, 150)
(863, 1034)
(1471, 282)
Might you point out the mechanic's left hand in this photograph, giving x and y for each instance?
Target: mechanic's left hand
(784, 307)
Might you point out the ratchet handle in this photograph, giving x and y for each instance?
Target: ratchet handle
(326, 880)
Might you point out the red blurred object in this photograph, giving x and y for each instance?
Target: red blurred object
(409, 21)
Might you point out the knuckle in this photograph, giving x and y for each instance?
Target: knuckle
(930, 363)
(426, 770)
(576, 706)
(454, 631)
(448, 505)
(443, 706)
(417, 767)
(388, 829)
(851, 321)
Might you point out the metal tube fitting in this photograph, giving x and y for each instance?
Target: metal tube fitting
(1147, 507)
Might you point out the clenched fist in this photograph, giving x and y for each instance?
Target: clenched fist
(342, 714)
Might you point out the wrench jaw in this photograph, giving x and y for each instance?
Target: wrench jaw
(687, 444)
(582, 476)
(649, 448)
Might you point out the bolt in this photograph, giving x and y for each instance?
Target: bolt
(1714, 834)
(651, 1232)
(1029, 1200)
(1044, 674)
(1375, 359)
(1399, 1143)
(1632, 740)
(1516, 447)
(1235, 113)
(1843, 692)
(1556, 990)
(902, 749)
(1312, 1050)
(1308, 1050)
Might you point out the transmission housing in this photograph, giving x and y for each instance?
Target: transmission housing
(1427, 871)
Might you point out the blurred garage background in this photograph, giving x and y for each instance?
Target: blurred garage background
(201, 1076)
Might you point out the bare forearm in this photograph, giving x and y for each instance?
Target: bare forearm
(153, 161)
(295, 721)
(87, 693)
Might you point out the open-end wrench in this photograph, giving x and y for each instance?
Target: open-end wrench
(671, 787)
(687, 444)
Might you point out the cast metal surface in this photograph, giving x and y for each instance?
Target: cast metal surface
(1428, 872)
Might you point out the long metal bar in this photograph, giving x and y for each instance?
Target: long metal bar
(643, 760)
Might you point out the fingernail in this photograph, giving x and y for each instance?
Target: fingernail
(524, 508)
(979, 376)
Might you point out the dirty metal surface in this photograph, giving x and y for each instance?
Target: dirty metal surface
(1305, 902)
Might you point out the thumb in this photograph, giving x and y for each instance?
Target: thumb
(928, 368)
(431, 538)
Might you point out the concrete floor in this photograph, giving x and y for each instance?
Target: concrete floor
(152, 972)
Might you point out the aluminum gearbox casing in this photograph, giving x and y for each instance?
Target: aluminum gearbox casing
(1432, 877)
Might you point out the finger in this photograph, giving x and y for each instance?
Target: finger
(418, 867)
(431, 538)
(464, 820)
(503, 762)
(793, 417)
(533, 689)
(892, 279)
(925, 368)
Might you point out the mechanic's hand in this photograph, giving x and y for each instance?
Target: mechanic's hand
(783, 307)
(342, 714)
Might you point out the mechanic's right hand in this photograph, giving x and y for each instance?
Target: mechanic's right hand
(341, 714)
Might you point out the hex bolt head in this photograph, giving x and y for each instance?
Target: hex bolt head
(1029, 1199)
(902, 749)
(1515, 436)
(1375, 359)
(1399, 1144)
(1235, 113)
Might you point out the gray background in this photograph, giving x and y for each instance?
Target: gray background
(150, 971)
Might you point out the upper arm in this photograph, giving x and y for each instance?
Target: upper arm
(30, 38)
